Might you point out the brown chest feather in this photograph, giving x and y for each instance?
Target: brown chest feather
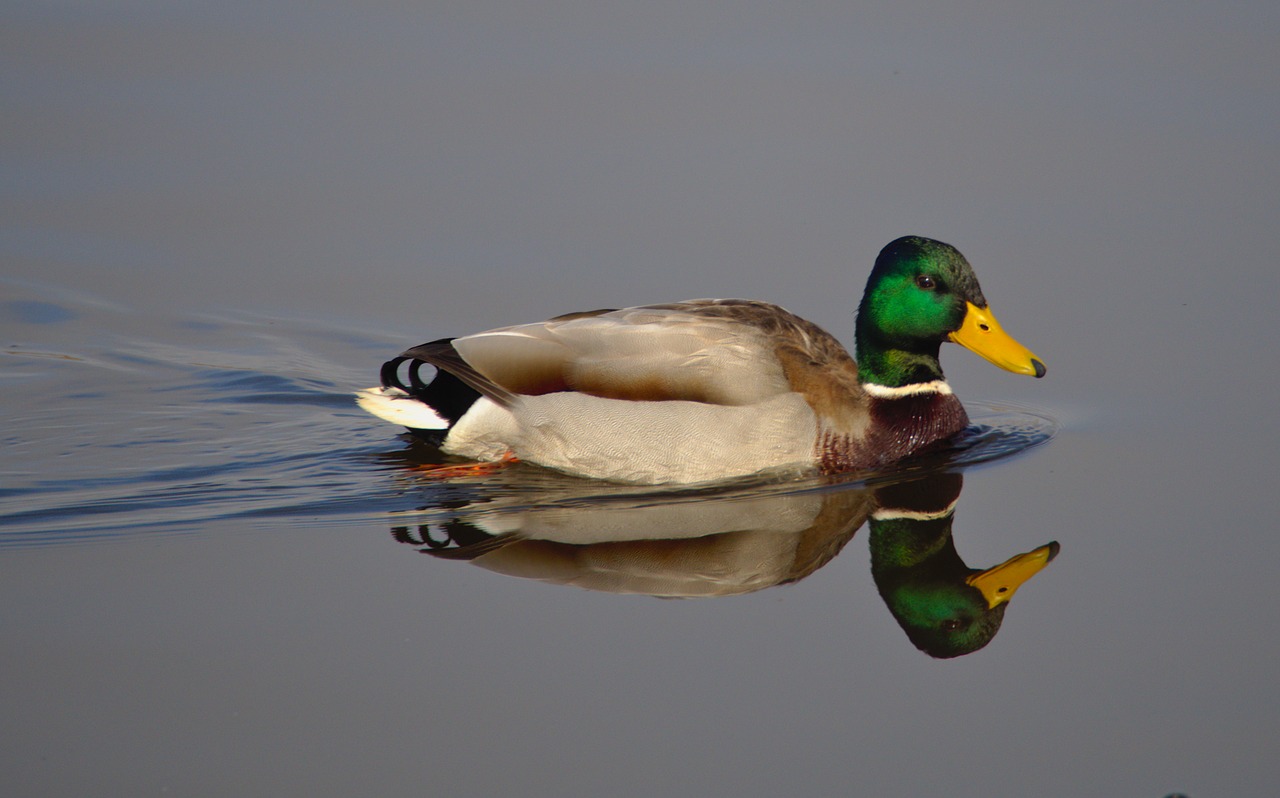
(898, 427)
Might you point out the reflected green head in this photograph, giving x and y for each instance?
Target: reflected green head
(945, 620)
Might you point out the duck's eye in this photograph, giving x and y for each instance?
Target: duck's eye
(926, 282)
(951, 624)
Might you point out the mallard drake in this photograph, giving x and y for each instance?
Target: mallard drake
(709, 389)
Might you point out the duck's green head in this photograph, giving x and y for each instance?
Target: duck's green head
(920, 293)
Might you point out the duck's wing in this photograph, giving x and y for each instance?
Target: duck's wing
(727, 352)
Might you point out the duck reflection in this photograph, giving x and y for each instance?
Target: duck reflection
(697, 547)
(945, 607)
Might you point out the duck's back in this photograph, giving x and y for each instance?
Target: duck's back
(726, 352)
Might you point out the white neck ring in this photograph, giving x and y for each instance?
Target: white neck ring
(914, 389)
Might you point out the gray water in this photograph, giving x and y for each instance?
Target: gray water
(217, 220)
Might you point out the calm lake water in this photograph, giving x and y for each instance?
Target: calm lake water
(219, 577)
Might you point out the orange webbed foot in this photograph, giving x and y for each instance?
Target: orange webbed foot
(467, 469)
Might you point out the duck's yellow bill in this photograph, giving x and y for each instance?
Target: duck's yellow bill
(982, 334)
(998, 584)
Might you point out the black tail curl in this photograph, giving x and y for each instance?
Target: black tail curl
(446, 394)
(391, 375)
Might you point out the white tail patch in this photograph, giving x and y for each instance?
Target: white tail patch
(398, 407)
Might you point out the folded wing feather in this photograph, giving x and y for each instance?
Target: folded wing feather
(697, 351)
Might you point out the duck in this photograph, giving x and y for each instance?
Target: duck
(706, 390)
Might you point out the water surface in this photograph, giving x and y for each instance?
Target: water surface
(218, 577)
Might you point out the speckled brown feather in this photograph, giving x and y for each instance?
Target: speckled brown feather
(815, 364)
(818, 367)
